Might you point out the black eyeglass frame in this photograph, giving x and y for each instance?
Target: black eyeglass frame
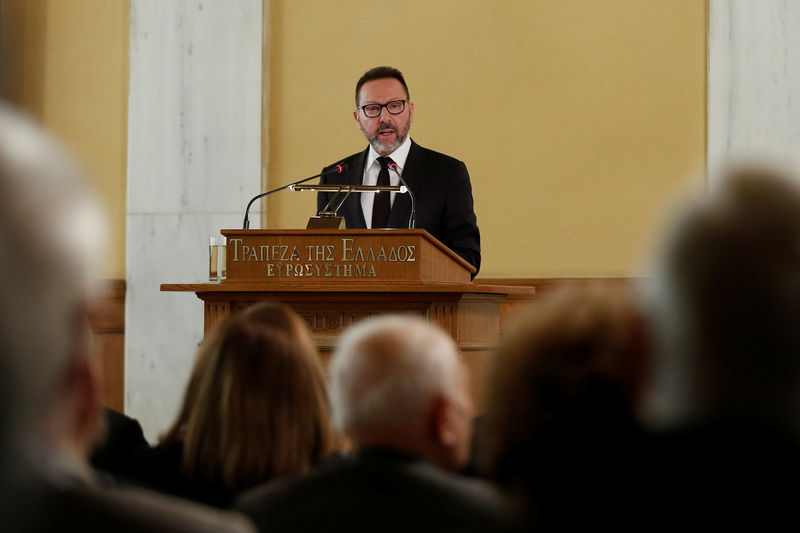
(381, 106)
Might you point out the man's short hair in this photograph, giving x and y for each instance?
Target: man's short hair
(386, 371)
(726, 304)
(380, 73)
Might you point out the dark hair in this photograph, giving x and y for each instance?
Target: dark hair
(256, 406)
(380, 73)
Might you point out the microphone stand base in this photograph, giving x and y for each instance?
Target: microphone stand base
(326, 222)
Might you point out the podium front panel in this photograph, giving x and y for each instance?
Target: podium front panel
(341, 255)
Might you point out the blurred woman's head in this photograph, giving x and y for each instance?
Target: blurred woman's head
(566, 381)
(256, 406)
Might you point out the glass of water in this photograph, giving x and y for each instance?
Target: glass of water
(216, 259)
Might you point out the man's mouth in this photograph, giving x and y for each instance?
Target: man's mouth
(386, 137)
(385, 130)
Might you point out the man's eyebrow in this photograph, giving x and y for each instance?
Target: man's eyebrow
(384, 103)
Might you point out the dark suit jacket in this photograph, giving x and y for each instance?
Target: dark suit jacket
(55, 499)
(728, 471)
(159, 468)
(123, 436)
(443, 199)
(122, 511)
(375, 490)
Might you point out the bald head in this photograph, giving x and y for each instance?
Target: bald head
(398, 381)
(50, 235)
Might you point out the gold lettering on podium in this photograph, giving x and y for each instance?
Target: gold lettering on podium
(347, 249)
(236, 244)
(355, 258)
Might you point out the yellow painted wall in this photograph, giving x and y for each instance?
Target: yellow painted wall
(578, 119)
(66, 63)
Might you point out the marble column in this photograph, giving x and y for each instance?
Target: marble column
(194, 159)
(754, 83)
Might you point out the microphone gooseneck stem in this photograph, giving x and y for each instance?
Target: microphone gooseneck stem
(412, 219)
(338, 169)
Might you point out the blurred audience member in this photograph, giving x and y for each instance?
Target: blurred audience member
(560, 431)
(255, 409)
(725, 300)
(49, 242)
(400, 391)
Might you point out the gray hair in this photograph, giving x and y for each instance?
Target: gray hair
(725, 300)
(386, 371)
(51, 231)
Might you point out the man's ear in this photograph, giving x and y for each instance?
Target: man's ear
(87, 390)
(444, 422)
(85, 384)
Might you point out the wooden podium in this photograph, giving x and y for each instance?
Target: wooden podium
(333, 278)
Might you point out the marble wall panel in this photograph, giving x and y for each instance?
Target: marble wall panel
(164, 328)
(195, 94)
(194, 160)
(754, 83)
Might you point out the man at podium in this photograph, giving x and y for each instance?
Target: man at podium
(439, 182)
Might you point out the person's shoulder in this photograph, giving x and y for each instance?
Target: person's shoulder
(446, 496)
(117, 422)
(444, 167)
(298, 503)
(254, 499)
(358, 490)
(276, 491)
(156, 461)
(349, 160)
(133, 510)
(426, 153)
(123, 437)
(466, 504)
(189, 516)
(474, 491)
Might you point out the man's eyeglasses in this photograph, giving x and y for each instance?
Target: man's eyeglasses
(395, 107)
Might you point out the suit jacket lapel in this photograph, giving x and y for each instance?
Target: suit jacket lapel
(401, 207)
(354, 176)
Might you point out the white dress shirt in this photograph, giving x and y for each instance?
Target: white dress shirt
(371, 170)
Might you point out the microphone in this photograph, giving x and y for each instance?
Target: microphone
(412, 220)
(337, 169)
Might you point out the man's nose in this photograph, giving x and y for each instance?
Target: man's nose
(385, 113)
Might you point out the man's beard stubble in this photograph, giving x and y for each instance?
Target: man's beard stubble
(400, 138)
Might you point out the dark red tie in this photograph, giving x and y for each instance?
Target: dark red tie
(381, 206)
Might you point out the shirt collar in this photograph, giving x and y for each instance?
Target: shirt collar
(399, 156)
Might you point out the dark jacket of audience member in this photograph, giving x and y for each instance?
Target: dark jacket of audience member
(401, 393)
(255, 409)
(560, 432)
(376, 489)
(122, 436)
